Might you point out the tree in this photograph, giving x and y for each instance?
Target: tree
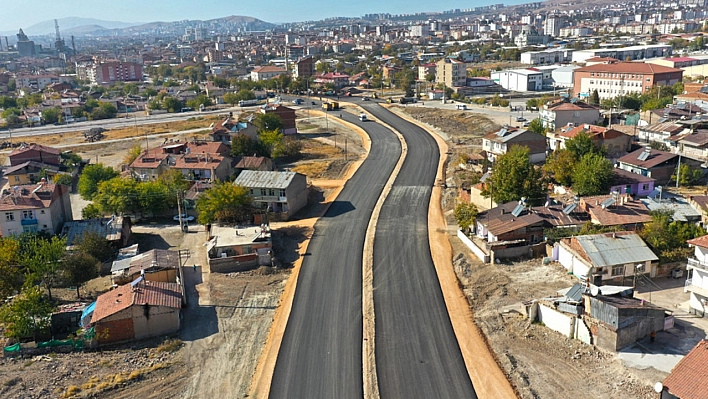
(91, 211)
(78, 268)
(118, 195)
(225, 202)
(536, 126)
(245, 95)
(231, 98)
(70, 159)
(132, 154)
(171, 104)
(154, 196)
(63, 179)
(90, 178)
(268, 122)
(688, 175)
(560, 166)
(242, 145)
(103, 111)
(41, 258)
(465, 214)
(27, 315)
(51, 115)
(10, 276)
(595, 98)
(271, 141)
(198, 101)
(580, 145)
(174, 180)
(96, 246)
(592, 175)
(513, 177)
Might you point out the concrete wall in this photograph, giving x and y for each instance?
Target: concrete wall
(161, 320)
(571, 261)
(473, 247)
(478, 199)
(233, 264)
(297, 194)
(556, 321)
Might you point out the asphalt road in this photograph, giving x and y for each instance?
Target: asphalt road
(417, 354)
(321, 352)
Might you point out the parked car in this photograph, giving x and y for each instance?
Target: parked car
(520, 119)
(185, 217)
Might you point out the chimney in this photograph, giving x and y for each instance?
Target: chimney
(614, 235)
(502, 211)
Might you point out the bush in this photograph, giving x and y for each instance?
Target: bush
(170, 345)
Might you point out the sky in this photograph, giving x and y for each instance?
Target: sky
(17, 14)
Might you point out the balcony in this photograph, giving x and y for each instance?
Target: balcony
(697, 264)
(696, 289)
(28, 222)
(269, 198)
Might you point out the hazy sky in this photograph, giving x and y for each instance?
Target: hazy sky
(15, 14)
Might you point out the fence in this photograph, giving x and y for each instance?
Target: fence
(483, 256)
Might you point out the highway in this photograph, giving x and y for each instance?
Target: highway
(321, 353)
(417, 354)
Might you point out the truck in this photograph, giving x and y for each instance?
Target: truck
(247, 103)
(330, 106)
(407, 100)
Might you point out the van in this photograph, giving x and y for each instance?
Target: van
(362, 117)
(461, 107)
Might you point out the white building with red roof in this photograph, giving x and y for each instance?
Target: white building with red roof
(622, 78)
(32, 208)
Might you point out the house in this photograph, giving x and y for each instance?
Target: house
(33, 208)
(116, 229)
(29, 173)
(607, 257)
(694, 145)
(622, 78)
(624, 182)
(194, 192)
(500, 142)
(137, 310)
(680, 208)
(568, 112)
(203, 166)
(253, 163)
(35, 152)
(286, 114)
(659, 165)
(154, 265)
(700, 202)
(335, 78)
(689, 378)
(232, 249)
(615, 142)
(697, 276)
(266, 72)
(661, 132)
(229, 128)
(150, 164)
(616, 210)
(529, 79)
(195, 159)
(279, 192)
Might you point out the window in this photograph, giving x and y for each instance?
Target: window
(645, 187)
(271, 192)
(251, 190)
(17, 179)
(263, 192)
(9, 216)
(628, 189)
(27, 215)
(617, 271)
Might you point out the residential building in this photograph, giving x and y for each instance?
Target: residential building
(568, 113)
(304, 68)
(607, 258)
(500, 142)
(106, 72)
(552, 25)
(519, 79)
(196, 159)
(625, 182)
(154, 265)
(266, 72)
(694, 145)
(623, 78)
(662, 132)
(689, 378)
(451, 72)
(615, 142)
(233, 249)
(624, 53)
(253, 163)
(278, 192)
(138, 310)
(337, 79)
(656, 164)
(203, 166)
(30, 172)
(38, 82)
(286, 114)
(697, 277)
(116, 230)
(43, 207)
(616, 210)
(426, 69)
(37, 153)
(681, 209)
(229, 128)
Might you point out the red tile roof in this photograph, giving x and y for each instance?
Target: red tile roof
(28, 197)
(152, 293)
(655, 158)
(689, 378)
(38, 147)
(629, 67)
(699, 241)
(594, 131)
(570, 106)
(632, 212)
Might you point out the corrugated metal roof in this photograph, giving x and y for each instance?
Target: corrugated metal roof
(604, 250)
(264, 179)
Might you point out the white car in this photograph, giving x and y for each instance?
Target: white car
(185, 218)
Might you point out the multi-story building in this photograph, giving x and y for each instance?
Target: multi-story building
(500, 142)
(304, 67)
(451, 72)
(549, 56)
(266, 72)
(110, 72)
(697, 278)
(631, 53)
(519, 79)
(34, 208)
(280, 192)
(568, 112)
(39, 82)
(553, 25)
(622, 78)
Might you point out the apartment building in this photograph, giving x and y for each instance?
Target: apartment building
(622, 78)
(451, 72)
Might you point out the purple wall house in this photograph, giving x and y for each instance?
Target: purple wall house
(631, 183)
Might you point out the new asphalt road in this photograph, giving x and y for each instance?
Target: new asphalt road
(417, 354)
(321, 353)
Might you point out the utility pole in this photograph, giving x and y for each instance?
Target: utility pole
(678, 173)
(179, 211)
(345, 149)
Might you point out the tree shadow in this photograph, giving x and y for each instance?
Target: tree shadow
(148, 241)
(286, 244)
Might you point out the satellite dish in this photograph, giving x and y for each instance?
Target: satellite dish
(658, 387)
(594, 290)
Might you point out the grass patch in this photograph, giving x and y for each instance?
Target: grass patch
(312, 169)
(72, 390)
(170, 345)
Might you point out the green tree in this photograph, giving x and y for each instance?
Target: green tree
(96, 246)
(78, 268)
(688, 176)
(592, 175)
(465, 215)
(581, 144)
(536, 126)
(224, 203)
(90, 178)
(595, 98)
(171, 104)
(245, 95)
(51, 115)
(513, 177)
(231, 98)
(91, 211)
(103, 111)
(242, 145)
(174, 180)
(70, 159)
(198, 101)
(272, 140)
(41, 258)
(10, 276)
(27, 315)
(154, 196)
(132, 154)
(560, 166)
(63, 179)
(268, 122)
(117, 196)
